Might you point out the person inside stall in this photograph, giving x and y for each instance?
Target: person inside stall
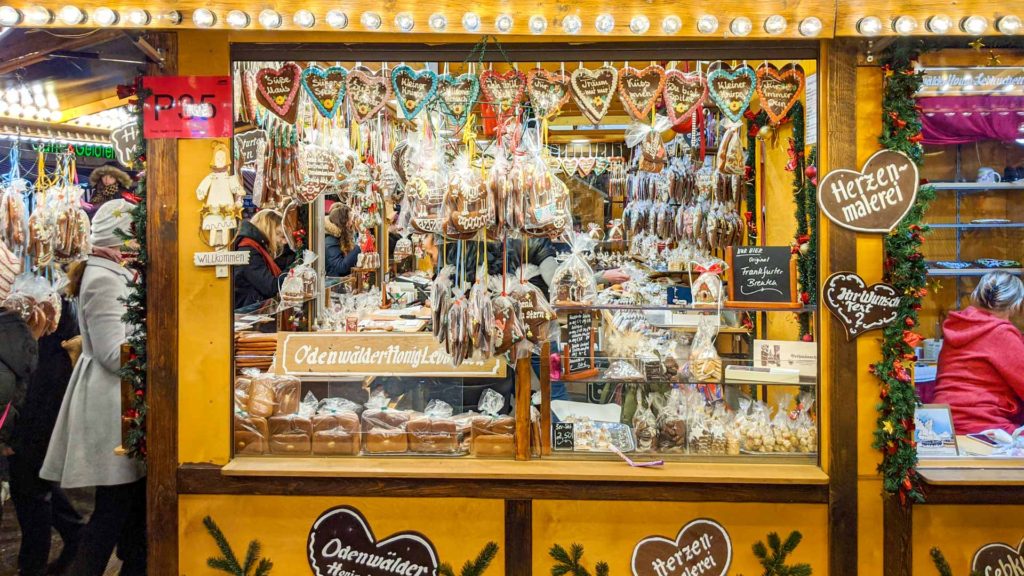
(264, 238)
(108, 182)
(981, 366)
(341, 252)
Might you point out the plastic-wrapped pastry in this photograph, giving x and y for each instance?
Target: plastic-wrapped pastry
(573, 281)
(291, 434)
(40, 234)
(435, 432)
(481, 315)
(250, 434)
(508, 328)
(458, 341)
(13, 215)
(645, 426)
(623, 370)
(537, 314)
(71, 233)
(440, 302)
(705, 365)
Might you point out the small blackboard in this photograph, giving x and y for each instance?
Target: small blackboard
(762, 275)
(564, 437)
(578, 349)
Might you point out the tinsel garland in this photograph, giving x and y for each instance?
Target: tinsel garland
(905, 269)
(134, 370)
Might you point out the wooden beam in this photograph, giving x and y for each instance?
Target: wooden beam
(36, 47)
(518, 537)
(897, 542)
(105, 103)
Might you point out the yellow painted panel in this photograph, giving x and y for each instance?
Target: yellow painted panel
(204, 301)
(869, 526)
(459, 528)
(960, 530)
(608, 531)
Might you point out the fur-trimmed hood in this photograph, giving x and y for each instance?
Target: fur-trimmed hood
(108, 170)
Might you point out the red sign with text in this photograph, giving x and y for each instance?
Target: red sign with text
(187, 107)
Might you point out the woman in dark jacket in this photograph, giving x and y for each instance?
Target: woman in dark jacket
(340, 250)
(259, 280)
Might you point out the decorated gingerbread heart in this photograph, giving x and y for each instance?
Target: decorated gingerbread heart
(503, 91)
(548, 91)
(457, 95)
(570, 165)
(684, 94)
(325, 88)
(592, 91)
(367, 93)
(639, 90)
(413, 90)
(779, 90)
(731, 90)
(601, 166)
(276, 90)
(586, 165)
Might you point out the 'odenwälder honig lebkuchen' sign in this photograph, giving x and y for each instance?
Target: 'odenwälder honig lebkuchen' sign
(874, 199)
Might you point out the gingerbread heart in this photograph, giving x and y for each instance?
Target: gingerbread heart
(548, 91)
(639, 90)
(684, 94)
(457, 95)
(592, 91)
(367, 93)
(570, 165)
(325, 87)
(276, 90)
(413, 90)
(731, 90)
(779, 90)
(586, 165)
(503, 91)
(321, 169)
(601, 166)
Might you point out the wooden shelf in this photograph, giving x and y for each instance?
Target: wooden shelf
(976, 186)
(971, 271)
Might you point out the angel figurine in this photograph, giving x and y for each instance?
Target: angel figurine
(222, 194)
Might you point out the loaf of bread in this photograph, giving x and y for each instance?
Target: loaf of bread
(336, 434)
(385, 441)
(492, 436)
(433, 435)
(386, 419)
(290, 435)
(261, 396)
(250, 435)
(286, 393)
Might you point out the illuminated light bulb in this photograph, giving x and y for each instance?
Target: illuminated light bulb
(639, 24)
(741, 26)
(437, 22)
(538, 24)
(55, 116)
(775, 24)
(11, 96)
(370, 20)
(237, 19)
(404, 22)
(869, 26)
(28, 111)
(707, 24)
(304, 19)
(975, 25)
(10, 16)
(270, 19)
(572, 24)
(904, 25)
(14, 109)
(39, 16)
(337, 19)
(138, 17)
(105, 16)
(671, 25)
(503, 23)
(172, 17)
(71, 15)
(203, 18)
(40, 100)
(605, 23)
(939, 24)
(810, 26)
(1009, 25)
(471, 21)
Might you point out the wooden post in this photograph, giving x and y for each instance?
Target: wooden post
(545, 399)
(523, 393)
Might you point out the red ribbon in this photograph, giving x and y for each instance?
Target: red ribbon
(715, 268)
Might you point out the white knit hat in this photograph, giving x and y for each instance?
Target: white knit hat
(10, 267)
(112, 216)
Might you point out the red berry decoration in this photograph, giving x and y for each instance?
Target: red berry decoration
(811, 172)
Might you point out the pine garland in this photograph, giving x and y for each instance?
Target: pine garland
(906, 270)
(227, 561)
(754, 124)
(473, 567)
(570, 562)
(134, 370)
(773, 556)
(942, 565)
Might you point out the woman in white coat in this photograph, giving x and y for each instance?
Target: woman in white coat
(81, 451)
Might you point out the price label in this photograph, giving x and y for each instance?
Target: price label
(564, 436)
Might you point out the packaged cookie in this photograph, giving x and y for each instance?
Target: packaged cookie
(705, 365)
(573, 280)
(707, 289)
(805, 430)
(672, 423)
(645, 425)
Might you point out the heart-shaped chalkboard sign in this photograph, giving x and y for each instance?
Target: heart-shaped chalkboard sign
(592, 90)
(706, 545)
(246, 146)
(125, 140)
(731, 90)
(326, 88)
(639, 90)
(413, 90)
(858, 307)
(503, 91)
(874, 199)
(548, 91)
(998, 558)
(341, 542)
(779, 90)
(276, 90)
(321, 170)
(684, 94)
(367, 93)
(457, 95)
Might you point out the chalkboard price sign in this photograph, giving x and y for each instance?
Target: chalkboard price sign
(564, 438)
(762, 276)
(578, 350)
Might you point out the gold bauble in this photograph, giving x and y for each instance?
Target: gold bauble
(765, 132)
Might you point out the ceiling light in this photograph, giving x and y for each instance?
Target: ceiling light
(639, 24)
(39, 16)
(671, 24)
(138, 17)
(471, 21)
(304, 19)
(237, 19)
(775, 24)
(437, 22)
(503, 23)
(741, 26)
(270, 19)
(203, 18)
(1008, 25)
(538, 24)
(904, 25)
(71, 15)
(572, 24)
(173, 17)
(869, 26)
(810, 26)
(707, 24)
(337, 19)
(605, 23)
(939, 24)
(9, 16)
(975, 25)
(370, 20)
(105, 16)
(404, 22)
